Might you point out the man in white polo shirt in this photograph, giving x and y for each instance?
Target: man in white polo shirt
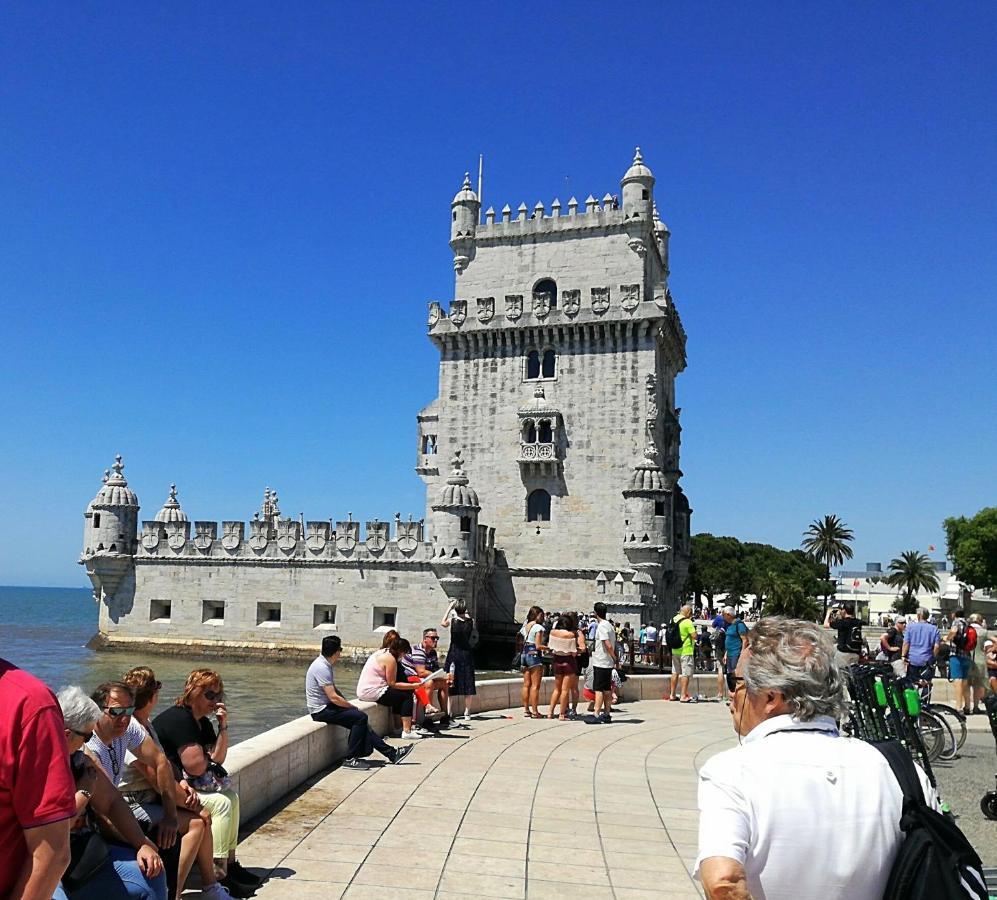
(796, 811)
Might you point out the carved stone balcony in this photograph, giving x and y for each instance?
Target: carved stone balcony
(541, 457)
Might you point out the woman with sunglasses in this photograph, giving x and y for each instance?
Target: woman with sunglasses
(137, 786)
(133, 867)
(198, 751)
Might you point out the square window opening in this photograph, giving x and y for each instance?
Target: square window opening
(212, 613)
(160, 611)
(659, 507)
(324, 616)
(465, 524)
(268, 615)
(385, 617)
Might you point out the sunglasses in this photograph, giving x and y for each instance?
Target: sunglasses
(433, 637)
(213, 695)
(116, 712)
(86, 735)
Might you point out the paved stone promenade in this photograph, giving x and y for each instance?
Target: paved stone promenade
(510, 807)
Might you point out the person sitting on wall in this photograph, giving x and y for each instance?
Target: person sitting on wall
(382, 681)
(424, 661)
(326, 704)
(198, 751)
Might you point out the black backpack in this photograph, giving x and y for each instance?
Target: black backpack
(935, 861)
(673, 636)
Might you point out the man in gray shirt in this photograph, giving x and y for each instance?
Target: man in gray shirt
(326, 704)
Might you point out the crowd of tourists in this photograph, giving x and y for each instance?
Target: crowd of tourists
(112, 798)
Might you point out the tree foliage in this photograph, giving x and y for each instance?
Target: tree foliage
(910, 572)
(725, 565)
(972, 547)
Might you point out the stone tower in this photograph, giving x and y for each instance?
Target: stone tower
(558, 359)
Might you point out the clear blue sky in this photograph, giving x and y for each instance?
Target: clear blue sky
(221, 224)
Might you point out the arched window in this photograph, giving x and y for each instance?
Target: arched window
(530, 433)
(96, 520)
(538, 506)
(533, 364)
(549, 364)
(549, 287)
(545, 434)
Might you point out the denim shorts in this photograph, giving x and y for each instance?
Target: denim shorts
(531, 656)
(958, 667)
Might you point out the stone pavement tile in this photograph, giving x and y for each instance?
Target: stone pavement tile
(264, 853)
(498, 849)
(670, 892)
(298, 869)
(564, 826)
(633, 832)
(503, 886)
(518, 833)
(349, 820)
(415, 818)
(499, 819)
(363, 836)
(548, 854)
(388, 857)
(653, 865)
(377, 892)
(546, 890)
(486, 865)
(289, 889)
(645, 820)
(649, 879)
(628, 845)
(567, 874)
(547, 813)
(329, 851)
(449, 800)
(557, 839)
(392, 876)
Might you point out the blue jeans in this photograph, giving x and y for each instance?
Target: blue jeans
(362, 740)
(119, 879)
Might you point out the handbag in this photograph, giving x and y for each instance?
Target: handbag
(87, 856)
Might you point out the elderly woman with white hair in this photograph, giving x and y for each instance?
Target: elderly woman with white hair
(102, 869)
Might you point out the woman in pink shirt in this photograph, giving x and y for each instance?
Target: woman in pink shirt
(382, 681)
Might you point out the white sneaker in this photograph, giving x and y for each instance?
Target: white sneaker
(216, 891)
(411, 736)
(467, 716)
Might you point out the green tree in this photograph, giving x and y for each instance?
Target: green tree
(910, 572)
(789, 598)
(827, 541)
(716, 567)
(972, 547)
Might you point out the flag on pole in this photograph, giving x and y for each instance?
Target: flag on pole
(855, 583)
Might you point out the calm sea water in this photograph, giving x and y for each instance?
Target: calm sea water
(45, 631)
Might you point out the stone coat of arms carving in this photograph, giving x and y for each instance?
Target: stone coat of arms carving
(513, 306)
(318, 536)
(204, 537)
(347, 534)
(541, 304)
(176, 537)
(631, 296)
(600, 300)
(287, 534)
(458, 312)
(377, 536)
(259, 535)
(232, 534)
(486, 309)
(150, 537)
(571, 302)
(435, 313)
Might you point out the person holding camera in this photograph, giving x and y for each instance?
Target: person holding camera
(849, 645)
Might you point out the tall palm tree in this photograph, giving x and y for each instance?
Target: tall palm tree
(827, 540)
(911, 571)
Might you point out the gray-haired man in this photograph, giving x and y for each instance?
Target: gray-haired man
(757, 837)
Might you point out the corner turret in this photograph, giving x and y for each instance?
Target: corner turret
(638, 190)
(455, 517)
(465, 212)
(110, 532)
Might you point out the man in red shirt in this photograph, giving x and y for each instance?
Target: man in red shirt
(37, 793)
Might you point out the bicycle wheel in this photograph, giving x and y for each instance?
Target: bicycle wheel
(956, 721)
(939, 742)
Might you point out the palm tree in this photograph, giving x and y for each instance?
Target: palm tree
(911, 572)
(827, 540)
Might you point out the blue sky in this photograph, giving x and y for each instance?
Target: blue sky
(221, 225)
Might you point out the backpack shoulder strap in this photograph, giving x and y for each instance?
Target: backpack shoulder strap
(903, 769)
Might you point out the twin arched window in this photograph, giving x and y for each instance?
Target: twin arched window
(541, 432)
(538, 506)
(538, 366)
